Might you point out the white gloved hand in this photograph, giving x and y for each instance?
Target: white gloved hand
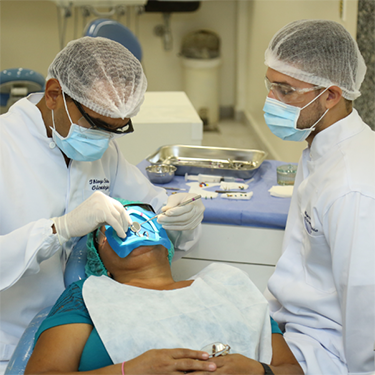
(181, 218)
(97, 210)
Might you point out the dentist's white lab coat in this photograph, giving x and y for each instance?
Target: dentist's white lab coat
(323, 288)
(35, 186)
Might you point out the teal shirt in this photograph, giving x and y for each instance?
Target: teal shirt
(69, 309)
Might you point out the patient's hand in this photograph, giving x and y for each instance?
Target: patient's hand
(168, 361)
(236, 364)
(283, 361)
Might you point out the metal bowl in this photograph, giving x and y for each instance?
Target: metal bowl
(160, 173)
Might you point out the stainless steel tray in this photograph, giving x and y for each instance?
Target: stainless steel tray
(218, 161)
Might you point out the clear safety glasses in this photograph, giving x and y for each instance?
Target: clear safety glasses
(99, 236)
(286, 93)
(216, 349)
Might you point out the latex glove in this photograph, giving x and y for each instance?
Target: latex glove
(97, 210)
(181, 218)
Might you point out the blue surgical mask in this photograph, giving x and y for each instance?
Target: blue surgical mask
(282, 119)
(81, 144)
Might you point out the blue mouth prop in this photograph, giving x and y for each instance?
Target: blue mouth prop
(150, 234)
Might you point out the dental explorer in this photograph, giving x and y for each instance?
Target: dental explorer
(134, 227)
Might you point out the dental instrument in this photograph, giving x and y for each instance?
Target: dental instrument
(179, 205)
(135, 227)
(172, 188)
(151, 234)
(230, 191)
(238, 196)
(210, 178)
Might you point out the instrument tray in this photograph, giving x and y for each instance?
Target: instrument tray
(218, 161)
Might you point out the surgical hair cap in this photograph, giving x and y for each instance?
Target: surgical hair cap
(102, 75)
(318, 52)
(94, 265)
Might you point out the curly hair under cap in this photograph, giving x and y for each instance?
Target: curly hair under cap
(94, 265)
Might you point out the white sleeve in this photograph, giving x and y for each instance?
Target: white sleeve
(184, 241)
(22, 251)
(132, 185)
(350, 229)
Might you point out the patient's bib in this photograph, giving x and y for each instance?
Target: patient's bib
(222, 304)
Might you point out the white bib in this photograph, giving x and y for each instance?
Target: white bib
(222, 304)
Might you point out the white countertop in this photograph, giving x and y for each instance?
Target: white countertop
(167, 107)
(165, 118)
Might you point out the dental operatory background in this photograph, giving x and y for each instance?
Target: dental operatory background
(32, 32)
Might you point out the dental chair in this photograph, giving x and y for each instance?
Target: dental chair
(17, 83)
(74, 271)
(116, 31)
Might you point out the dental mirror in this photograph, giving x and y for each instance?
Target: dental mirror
(135, 227)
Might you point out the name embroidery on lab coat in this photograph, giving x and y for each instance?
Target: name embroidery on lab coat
(308, 226)
(99, 184)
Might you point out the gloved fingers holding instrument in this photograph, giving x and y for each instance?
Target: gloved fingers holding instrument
(98, 209)
(185, 217)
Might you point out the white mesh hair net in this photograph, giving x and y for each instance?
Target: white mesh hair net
(102, 75)
(318, 52)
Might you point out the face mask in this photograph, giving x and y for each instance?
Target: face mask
(282, 119)
(150, 234)
(81, 144)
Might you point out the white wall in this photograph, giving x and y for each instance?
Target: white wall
(29, 38)
(264, 19)
(164, 68)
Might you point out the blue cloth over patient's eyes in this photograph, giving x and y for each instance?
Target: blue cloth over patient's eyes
(150, 234)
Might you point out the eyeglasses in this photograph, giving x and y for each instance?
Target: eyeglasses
(216, 349)
(96, 234)
(286, 93)
(99, 124)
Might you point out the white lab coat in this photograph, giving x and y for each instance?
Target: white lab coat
(323, 288)
(35, 186)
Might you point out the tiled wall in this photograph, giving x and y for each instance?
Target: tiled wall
(365, 104)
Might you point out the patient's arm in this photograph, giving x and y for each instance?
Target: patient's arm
(59, 349)
(283, 361)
